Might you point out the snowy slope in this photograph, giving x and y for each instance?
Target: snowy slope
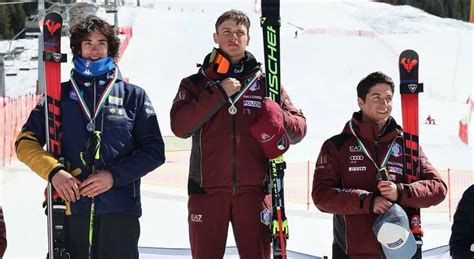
(320, 71)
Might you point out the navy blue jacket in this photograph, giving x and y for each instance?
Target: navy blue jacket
(462, 236)
(3, 234)
(131, 146)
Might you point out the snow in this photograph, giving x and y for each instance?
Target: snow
(320, 72)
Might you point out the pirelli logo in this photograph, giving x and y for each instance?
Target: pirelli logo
(357, 169)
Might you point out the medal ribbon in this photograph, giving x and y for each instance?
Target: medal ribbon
(366, 152)
(249, 82)
(100, 103)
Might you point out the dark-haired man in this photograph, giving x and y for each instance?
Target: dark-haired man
(97, 102)
(359, 173)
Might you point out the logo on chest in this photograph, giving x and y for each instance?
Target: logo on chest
(355, 158)
(396, 150)
(252, 101)
(255, 86)
(357, 169)
(355, 149)
(73, 95)
(115, 100)
(395, 170)
(115, 113)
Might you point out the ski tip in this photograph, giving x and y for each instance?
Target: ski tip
(408, 53)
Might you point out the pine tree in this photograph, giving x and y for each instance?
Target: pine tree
(17, 20)
(465, 10)
(456, 9)
(435, 7)
(5, 30)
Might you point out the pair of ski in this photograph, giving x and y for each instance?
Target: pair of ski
(55, 206)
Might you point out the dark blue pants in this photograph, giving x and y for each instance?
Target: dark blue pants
(115, 236)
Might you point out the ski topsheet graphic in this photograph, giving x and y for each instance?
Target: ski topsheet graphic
(270, 22)
(52, 57)
(409, 89)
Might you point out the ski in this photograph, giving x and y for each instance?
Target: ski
(409, 89)
(270, 22)
(52, 57)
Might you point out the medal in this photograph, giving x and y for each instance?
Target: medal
(90, 126)
(232, 110)
(382, 174)
(91, 116)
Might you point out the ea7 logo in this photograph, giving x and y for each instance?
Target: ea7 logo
(354, 149)
(196, 218)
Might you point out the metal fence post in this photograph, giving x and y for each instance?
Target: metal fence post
(2, 77)
(449, 195)
(40, 88)
(307, 184)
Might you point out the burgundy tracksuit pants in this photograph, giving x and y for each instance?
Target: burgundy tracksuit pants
(209, 216)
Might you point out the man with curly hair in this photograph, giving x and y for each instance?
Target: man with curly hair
(96, 101)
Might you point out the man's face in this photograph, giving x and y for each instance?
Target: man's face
(94, 46)
(232, 39)
(377, 106)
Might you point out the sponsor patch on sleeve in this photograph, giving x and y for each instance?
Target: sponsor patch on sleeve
(322, 162)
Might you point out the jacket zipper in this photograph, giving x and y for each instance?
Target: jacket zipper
(376, 157)
(234, 157)
(134, 191)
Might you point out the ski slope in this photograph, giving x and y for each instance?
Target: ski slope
(320, 70)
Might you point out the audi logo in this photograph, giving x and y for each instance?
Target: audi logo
(357, 157)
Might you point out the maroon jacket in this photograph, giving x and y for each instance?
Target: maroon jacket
(3, 234)
(225, 157)
(345, 184)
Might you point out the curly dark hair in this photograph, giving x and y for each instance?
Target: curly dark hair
(90, 23)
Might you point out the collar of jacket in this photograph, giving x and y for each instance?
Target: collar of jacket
(369, 130)
(85, 82)
(248, 62)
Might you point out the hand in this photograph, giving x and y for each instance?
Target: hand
(388, 190)
(381, 205)
(66, 186)
(230, 86)
(97, 183)
(267, 202)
